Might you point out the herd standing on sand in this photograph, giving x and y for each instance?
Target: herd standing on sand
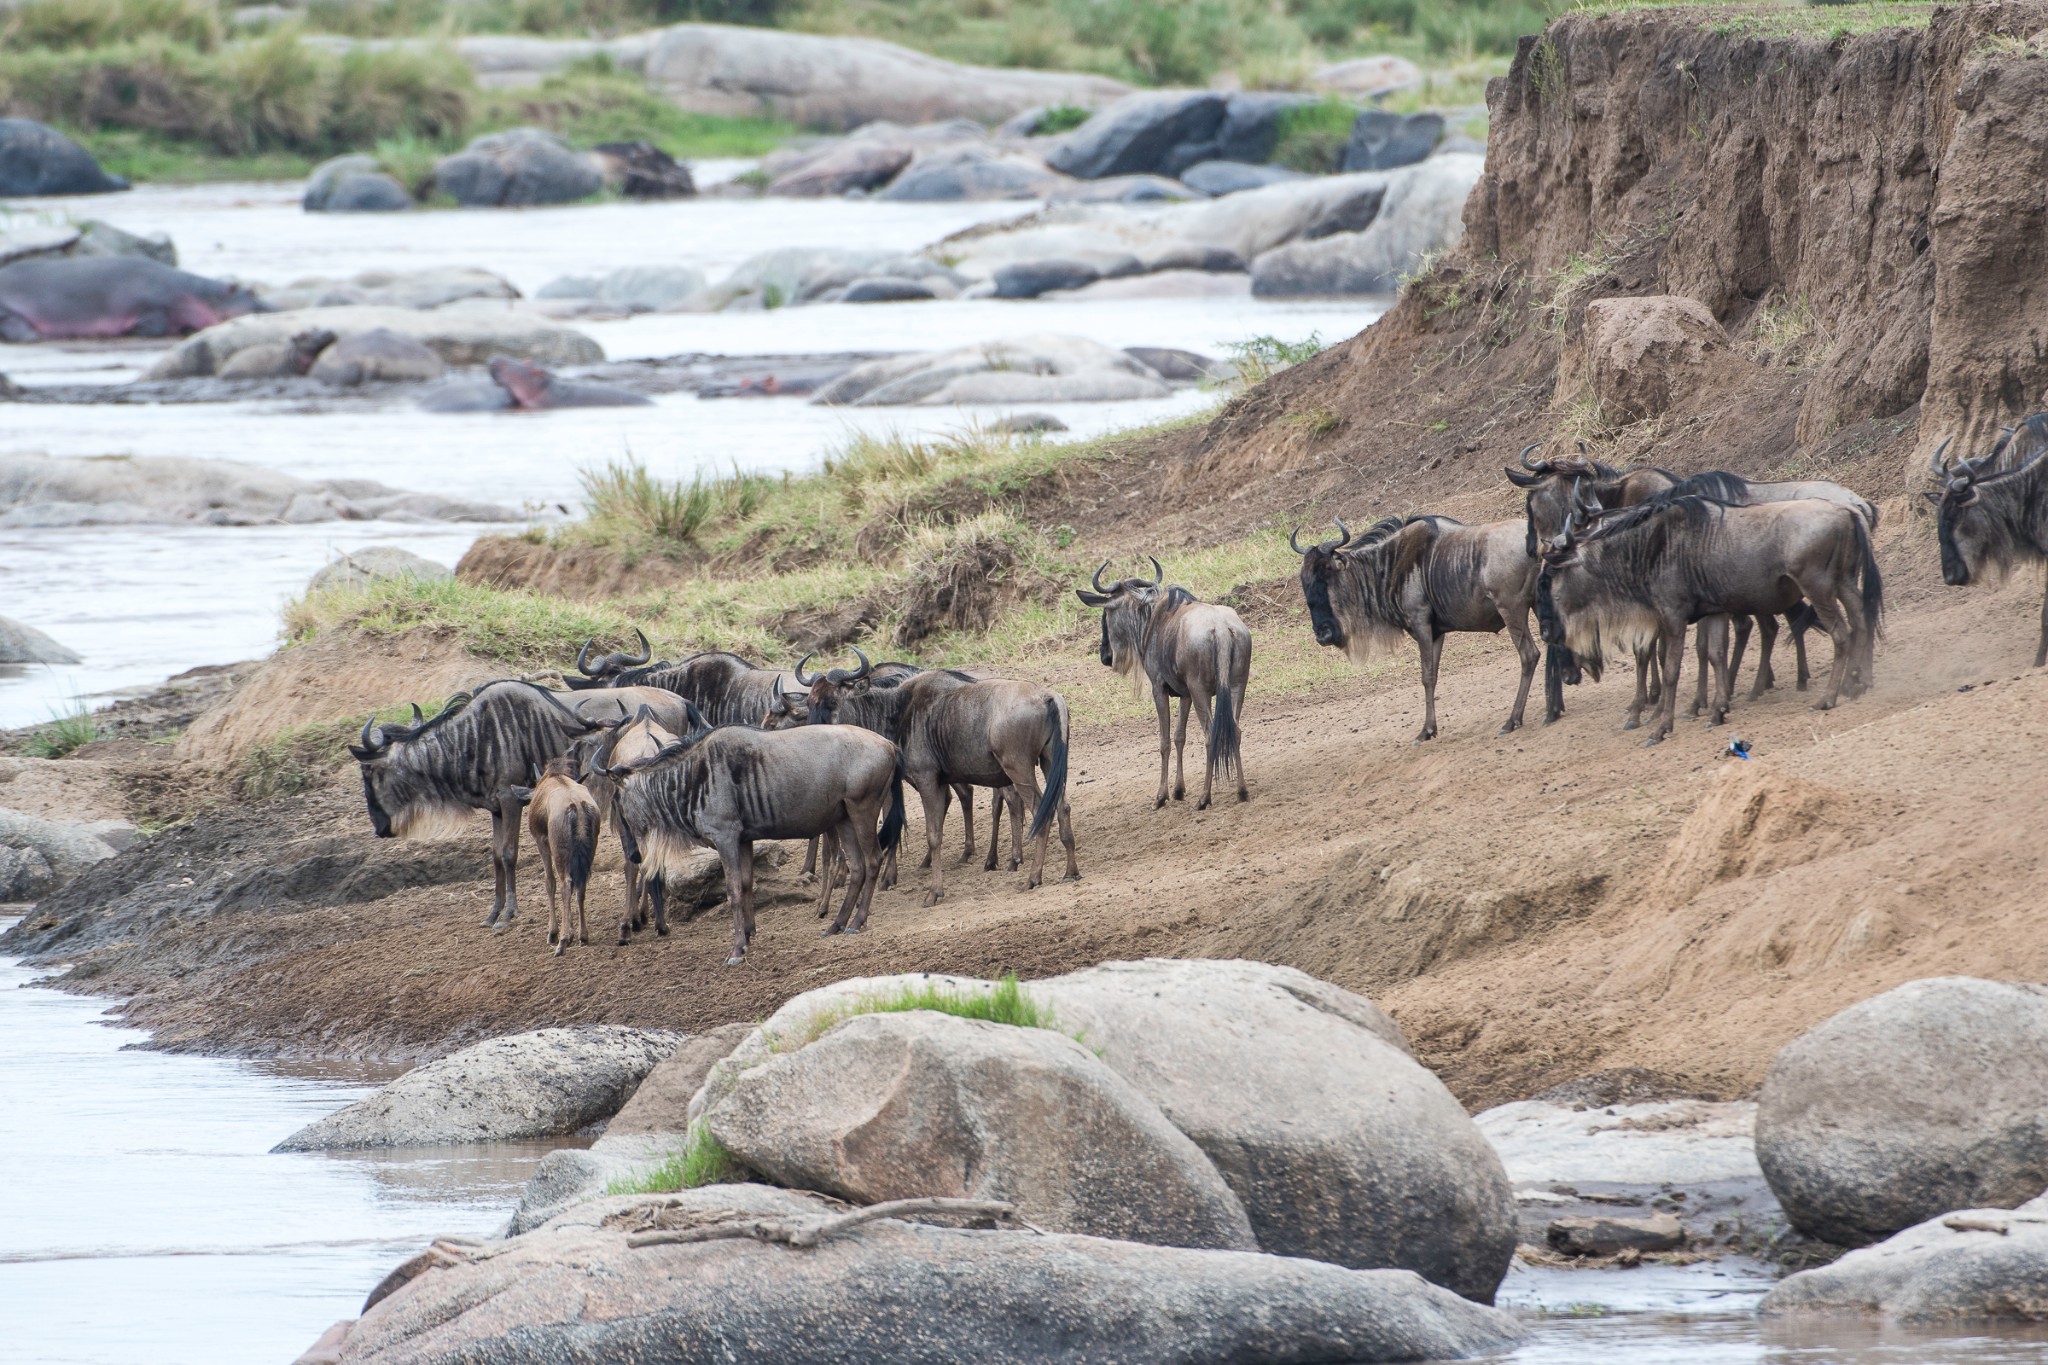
(716, 752)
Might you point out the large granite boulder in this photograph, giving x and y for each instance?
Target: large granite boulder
(903, 1105)
(841, 83)
(373, 563)
(357, 183)
(1154, 131)
(378, 356)
(641, 170)
(1381, 141)
(1420, 211)
(1966, 1266)
(1368, 77)
(1231, 177)
(1342, 1147)
(24, 644)
(36, 159)
(973, 173)
(898, 1291)
(547, 1082)
(97, 238)
(518, 167)
(37, 856)
(459, 334)
(1040, 368)
(1930, 1097)
(432, 287)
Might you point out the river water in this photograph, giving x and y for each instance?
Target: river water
(140, 603)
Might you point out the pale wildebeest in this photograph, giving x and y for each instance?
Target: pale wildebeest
(988, 732)
(619, 741)
(600, 671)
(725, 688)
(475, 755)
(1423, 577)
(819, 703)
(562, 815)
(1635, 579)
(1197, 651)
(1990, 524)
(728, 786)
(2016, 445)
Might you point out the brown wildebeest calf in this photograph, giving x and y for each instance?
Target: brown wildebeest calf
(562, 816)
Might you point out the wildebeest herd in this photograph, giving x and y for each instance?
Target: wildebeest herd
(716, 752)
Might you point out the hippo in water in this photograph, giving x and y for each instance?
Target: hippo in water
(112, 296)
(519, 384)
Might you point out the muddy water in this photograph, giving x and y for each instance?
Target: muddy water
(143, 602)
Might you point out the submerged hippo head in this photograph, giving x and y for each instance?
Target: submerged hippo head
(306, 348)
(529, 384)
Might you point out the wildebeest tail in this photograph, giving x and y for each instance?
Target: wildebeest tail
(892, 819)
(1873, 583)
(582, 831)
(1055, 773)
(1224, 754)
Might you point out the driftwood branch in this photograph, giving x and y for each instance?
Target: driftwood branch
(809, 1231)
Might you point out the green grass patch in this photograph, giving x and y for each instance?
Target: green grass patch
(591, 103)
(65, 732)
(1260, 358)
(703, 1161)
(1313, 136)
(1005, 1002)
(1061, 118)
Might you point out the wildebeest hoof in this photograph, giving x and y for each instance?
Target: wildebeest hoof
(1823, 706)
(1159, 803)
(623, 937)
(932, 898)
(1202, 804)
(661, 930)
(1653, 739)
(1631, 723)
(828, 931)
(737, 959)
(1071, 877)
(561, 947)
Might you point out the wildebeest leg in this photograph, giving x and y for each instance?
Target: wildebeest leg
(497, 869)
(1840, 618)
(1432, 646)
(1766, 641)
(1015, 801)
(1799, 651)
(934, 852)
(1723, 661)
(867, 841)
(547, 866)
(1517, 623)
(1671, 650)
(1203, 711)
(830, 839)
(657, 896)
(966, 795)
(636, 880)
(1742, 625)
(505, 823)
(1180, 754)
(856, 863)
(2041, 653)
(1163, 704)
(736, 896)
(996, 806)
(934, 795)
(1641, 701)
(810, 858)
(1067, 840)
(747, 883)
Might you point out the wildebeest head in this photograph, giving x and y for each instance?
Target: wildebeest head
(650, 744)
(1978, 535)
(1552, 488)
(826, 691)
(1126, 607)
(608, 666)
(1321, 565)
(398, 802)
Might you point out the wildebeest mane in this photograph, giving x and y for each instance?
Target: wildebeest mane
(1717, 484)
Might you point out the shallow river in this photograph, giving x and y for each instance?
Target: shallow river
(143, 602)
(143, 1218)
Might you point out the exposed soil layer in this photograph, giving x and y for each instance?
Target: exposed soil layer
(1862, 217)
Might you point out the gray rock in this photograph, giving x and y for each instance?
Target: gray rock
(1146, 133)
(570, 1176)
(650, 288)
(1028, 424)
(1200, 256)
(433, 287)
(1603, 1235)
(37, 160)
(1930, 1097)
(856, 164)
(1967, 1266)
(1457, 144)
(887, 289)
(570, 287)
(378, 356)
(1341, 1146)
(357, 568)
(897, 1106)
(37, 856)
(1381, 141)
(1422, 211)
(1029, 279)
(23, 644)
(1179, 367)
(1041, 368)
(1368, 77)
(641, 170)
(459, 335)
(518, 167)
(902, 1292)
(662, 1103)
(972, 173)
(1674, 1143)
(1229, 177)
(353, 184)
(549, 1081)
(96, 238)
(1125, 189)
(1251, 125)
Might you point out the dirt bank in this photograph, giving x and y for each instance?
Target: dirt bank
(1532, 908)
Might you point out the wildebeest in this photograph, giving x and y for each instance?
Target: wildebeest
(955, 729)
(600, 671)
(563, 818)
(1197, 651)
(621, 741)
(2016, 446)
(475, 755)
(1635, 579)
(1423, 577)
(819, 703)
(729, 785)
(1989, 524)
(725, 688)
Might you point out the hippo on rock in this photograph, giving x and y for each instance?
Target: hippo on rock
(109, 296)
(518, 384)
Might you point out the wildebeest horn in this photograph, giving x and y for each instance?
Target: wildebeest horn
(1158, 573)
(646, 650)
(1293, 542)
(582, 655)
(1528, 463)
(368, 743)
(843, 675)
(865, 666)
(1096, 582)
(800, 671)
(1343, 533)
(419, 717)
(1935, 463)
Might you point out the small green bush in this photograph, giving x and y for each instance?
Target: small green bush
(703, 1161)
(1313, 136)
(1061, 118)
(626, 504)
(65, 732)
(1260, 358)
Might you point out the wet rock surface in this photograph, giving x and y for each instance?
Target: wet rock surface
(1966, 1266)
(36, 159)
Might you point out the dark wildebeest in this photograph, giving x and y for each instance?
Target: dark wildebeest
(1423, 577)
(1183, 648)
(563, 818)
(988, 732)
(475, 755)
(1635, 579)
(600, 671)
(733, 784)
(1990, 523)
(819, 703)
(619, 741)
(2016, 446)
(726, 689)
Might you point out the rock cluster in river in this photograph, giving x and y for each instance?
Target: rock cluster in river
(464, 333)
(36, 159)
